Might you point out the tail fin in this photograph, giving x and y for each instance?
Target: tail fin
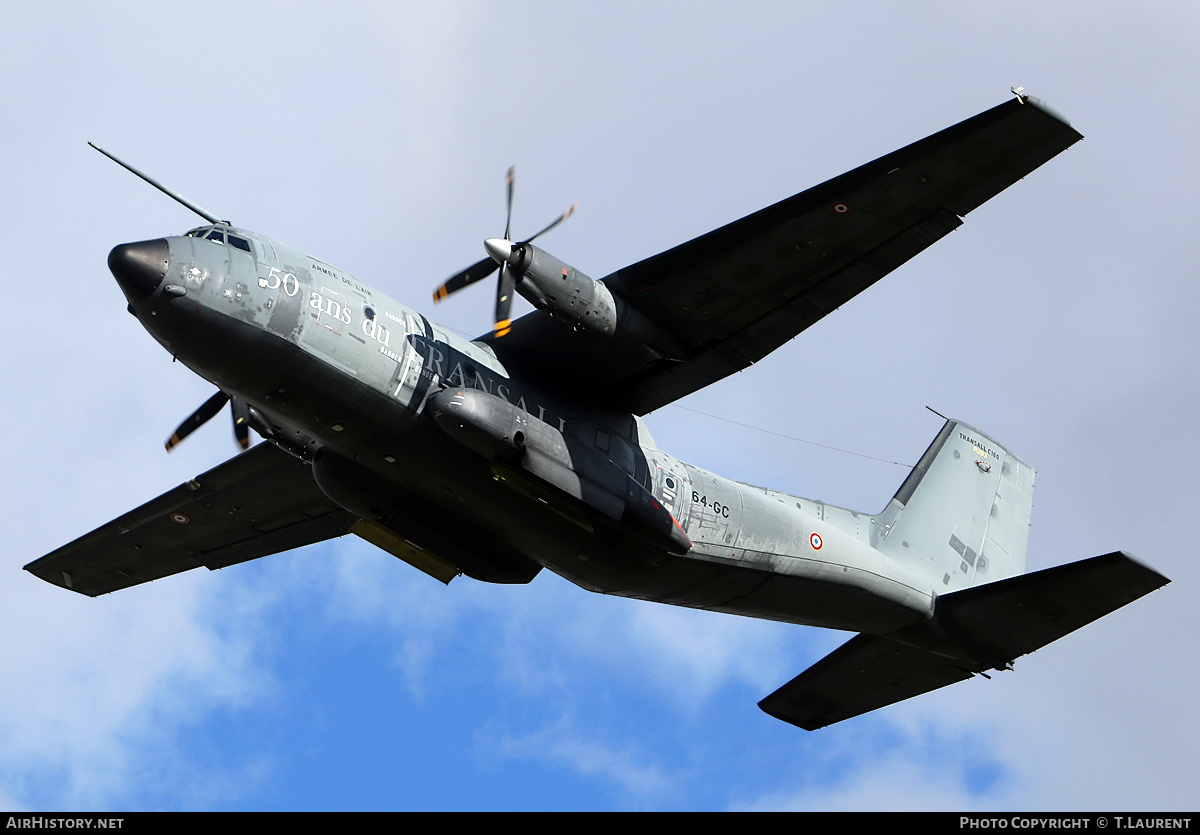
(962, 514)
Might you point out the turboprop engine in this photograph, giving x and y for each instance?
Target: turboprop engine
(556, 287)
(560, 290)
(579, 300)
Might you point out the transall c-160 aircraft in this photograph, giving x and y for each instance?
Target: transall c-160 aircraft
(524, 449)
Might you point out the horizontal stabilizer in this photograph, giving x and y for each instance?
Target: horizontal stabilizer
(974, 630)
(863, 674)
(1013, 617)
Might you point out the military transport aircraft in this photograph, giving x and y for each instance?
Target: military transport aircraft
(524, 449)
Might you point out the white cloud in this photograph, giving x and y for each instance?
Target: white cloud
(563, 745)
(96, 693)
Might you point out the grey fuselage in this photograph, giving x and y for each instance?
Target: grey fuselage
(332, 367)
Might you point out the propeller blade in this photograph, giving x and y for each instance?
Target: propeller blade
(476, 272)
(508, 181)
(197, 418)
(500, 251)
(241, 422)
(557, 221)
(504, 291)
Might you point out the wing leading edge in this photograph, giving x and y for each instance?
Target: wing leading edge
(977, 629)
(734, 295)
(259, 503)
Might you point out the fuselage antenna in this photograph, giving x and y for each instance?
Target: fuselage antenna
(209, 216)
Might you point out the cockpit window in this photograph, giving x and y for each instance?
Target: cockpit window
(218, 236)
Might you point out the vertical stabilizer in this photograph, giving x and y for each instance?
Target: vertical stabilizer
(962, 515)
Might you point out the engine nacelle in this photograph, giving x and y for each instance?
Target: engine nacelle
(586, 304)
(563, 291)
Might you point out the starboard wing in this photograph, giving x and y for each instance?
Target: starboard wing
(734, 295)
(258, 503)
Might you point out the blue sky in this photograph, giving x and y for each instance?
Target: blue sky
(1060, 318)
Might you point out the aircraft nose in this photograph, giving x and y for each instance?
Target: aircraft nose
(139, 267)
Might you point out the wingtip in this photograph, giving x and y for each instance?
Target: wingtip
(1024, 98)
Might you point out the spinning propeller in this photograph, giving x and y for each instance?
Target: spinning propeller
(500, 250)
(241, 420)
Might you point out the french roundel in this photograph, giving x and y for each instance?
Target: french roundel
(814, 539)
(840, 208)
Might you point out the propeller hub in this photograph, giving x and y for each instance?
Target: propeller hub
(499, 248)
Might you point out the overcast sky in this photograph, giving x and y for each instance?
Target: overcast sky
(1061, 319)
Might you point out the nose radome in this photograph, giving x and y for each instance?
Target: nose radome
(139, 267)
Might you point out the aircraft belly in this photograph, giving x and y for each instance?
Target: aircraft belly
(812, 594)
(757, 553)
(760, 553)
